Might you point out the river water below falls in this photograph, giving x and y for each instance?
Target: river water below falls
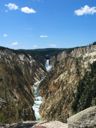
(37, 100)
(37, 97)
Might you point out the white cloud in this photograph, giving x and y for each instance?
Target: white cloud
(85, 10)
(11, 6)
(5, 35)
(14, 43)
(43, 36)
(27, 10)
(53, 45)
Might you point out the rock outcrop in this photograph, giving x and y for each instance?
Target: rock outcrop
(83, 119)
(18, 72)
(26, 124)
(71, 85)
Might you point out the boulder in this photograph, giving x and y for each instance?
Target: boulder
(83, 119)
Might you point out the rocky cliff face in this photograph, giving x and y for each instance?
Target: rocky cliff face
(71, 85)
(18, 72)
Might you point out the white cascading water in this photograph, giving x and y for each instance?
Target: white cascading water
(47, 65)
(37, 100)
(37, 97)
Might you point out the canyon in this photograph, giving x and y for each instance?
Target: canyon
(58, 82)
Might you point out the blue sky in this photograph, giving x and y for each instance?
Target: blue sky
(30, 24)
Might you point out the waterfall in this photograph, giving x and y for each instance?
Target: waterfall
(47, 65)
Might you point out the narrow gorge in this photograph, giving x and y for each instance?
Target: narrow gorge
(46, 84)
(37, 98)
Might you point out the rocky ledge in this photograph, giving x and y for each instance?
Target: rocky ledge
(25, 124)
(83, 119)
(51, 124)
(33, 124)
